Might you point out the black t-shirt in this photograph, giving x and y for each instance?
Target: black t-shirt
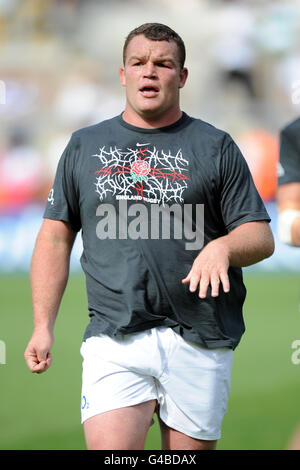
(147, 201)
(289, 161)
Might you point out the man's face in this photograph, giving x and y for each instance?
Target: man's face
(152, 76)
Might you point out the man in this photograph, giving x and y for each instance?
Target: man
(288, 195)
(288, 199)
(169, 213)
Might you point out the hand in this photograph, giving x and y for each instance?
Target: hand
(37, 354)
(210, 268)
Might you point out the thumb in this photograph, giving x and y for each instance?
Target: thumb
(44, 362)
(42, 355)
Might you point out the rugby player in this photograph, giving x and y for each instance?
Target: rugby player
(164, 319)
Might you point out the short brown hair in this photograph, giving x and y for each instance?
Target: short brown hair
(157, 32)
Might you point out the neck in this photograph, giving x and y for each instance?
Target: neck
(151, 122)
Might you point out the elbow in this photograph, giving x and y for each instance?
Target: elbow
(270, 246)
(267, 245)
(268, 242)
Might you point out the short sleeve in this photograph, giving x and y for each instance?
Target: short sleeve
(63, 199)
(239, 198)
(289, 155)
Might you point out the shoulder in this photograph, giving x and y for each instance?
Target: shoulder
(94, 130)
(209, 132)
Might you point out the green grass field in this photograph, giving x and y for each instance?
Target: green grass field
(43, 411)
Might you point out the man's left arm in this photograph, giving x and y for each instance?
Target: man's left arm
(245, 245)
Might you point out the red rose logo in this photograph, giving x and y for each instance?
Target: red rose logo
(141, 168)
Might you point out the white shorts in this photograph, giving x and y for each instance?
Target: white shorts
(190, 383)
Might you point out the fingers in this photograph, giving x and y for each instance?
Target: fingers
(37, 362)
(203, 279)
(37, 354)
(215, 284)
(43, 365)
(225, 281)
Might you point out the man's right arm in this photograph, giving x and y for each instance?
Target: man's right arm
(49, 274)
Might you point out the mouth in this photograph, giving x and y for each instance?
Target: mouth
(149, 91)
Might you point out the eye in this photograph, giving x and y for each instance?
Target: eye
(164, 65)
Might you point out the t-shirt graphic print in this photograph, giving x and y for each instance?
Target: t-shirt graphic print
(143, 173)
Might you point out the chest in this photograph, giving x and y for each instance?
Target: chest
(148, 172)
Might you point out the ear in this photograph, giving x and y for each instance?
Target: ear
(122, 76)
(183, 77)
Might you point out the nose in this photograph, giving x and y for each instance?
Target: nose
(149, 70)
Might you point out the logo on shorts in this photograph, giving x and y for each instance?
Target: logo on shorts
(84, 403)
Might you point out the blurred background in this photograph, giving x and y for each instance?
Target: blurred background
(59, 63)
